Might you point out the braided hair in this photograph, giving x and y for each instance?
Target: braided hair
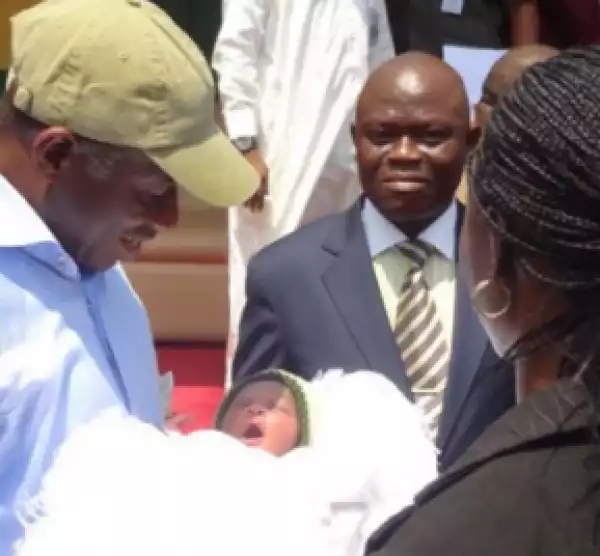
(536, 178)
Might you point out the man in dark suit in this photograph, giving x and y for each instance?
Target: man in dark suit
(376, 286)
(428, 25)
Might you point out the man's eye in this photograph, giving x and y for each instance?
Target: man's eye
(435, 137)
(380, 138)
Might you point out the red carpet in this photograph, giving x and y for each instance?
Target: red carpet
(199, 375)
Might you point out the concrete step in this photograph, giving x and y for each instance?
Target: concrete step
(182, 277)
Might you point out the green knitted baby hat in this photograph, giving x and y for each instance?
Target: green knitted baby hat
(296, 385)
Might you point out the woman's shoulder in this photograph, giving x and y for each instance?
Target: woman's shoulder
(524, 492)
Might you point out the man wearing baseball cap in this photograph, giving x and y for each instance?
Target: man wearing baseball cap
(109, 109)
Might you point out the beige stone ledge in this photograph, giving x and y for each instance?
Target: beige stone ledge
(182, 277)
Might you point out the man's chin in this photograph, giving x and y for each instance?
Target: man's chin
(100, 262)
(415, 212)
(91, 263)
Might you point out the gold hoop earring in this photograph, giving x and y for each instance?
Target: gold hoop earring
(490, 314)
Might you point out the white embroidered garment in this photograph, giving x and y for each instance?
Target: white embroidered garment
(120, 487)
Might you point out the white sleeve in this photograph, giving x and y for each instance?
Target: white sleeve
(235, 59)
(382, 48)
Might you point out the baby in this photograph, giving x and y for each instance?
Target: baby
(273, 410)
(336, 458)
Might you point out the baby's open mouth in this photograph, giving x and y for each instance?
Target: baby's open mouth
(252, 432)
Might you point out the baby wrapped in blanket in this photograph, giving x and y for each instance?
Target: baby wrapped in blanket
(295, 468)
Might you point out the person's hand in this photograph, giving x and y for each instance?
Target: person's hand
(257, 202)
(175, 421)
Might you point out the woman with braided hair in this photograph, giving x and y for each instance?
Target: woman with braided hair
(531, 255)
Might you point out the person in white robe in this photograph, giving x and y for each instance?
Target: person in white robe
(120, 487)
(289, 74)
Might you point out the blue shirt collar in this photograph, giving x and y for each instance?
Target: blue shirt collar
(23, 228)
(382, 234)
(21, 225)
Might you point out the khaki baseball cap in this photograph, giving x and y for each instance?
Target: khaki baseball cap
(121, 72)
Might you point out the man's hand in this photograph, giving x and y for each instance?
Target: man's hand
(175, 421)
(257, 202)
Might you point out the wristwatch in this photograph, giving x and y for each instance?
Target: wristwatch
(245, 144)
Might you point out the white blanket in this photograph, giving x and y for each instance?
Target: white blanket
(120, 487)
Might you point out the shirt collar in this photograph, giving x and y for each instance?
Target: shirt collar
(382, 234)
(21, 225)
(23, 228)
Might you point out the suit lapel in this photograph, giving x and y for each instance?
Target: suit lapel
(351, 283)
(468, 346)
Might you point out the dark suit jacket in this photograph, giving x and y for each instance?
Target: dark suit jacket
(421, 25)
(568, 23)
(313, 303)
(529, 486)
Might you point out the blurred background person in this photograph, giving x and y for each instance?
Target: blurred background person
(566, 23)
(289, 75)
(499, 81)
(428, 25)
(505, 73)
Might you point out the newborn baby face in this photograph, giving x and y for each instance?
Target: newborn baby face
(264, 415)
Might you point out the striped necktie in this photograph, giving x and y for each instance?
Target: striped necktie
(420, 338)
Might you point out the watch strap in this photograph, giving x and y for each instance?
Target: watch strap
(245, 144)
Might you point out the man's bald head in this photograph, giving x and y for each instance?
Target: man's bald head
(506, 72)
(412, 135)
(415, 74)
(513, 64)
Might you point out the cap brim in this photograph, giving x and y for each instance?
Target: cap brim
(213, 171)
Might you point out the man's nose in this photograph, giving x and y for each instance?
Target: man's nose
(405, 149)
(256, 409)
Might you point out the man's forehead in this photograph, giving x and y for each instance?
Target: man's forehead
(424, 104)
(411, 82)
(414, 87)
(405, 83)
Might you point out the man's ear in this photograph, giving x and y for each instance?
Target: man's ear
(53, 149)
(474, 134)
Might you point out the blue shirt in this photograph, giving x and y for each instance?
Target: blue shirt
(70, 346)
